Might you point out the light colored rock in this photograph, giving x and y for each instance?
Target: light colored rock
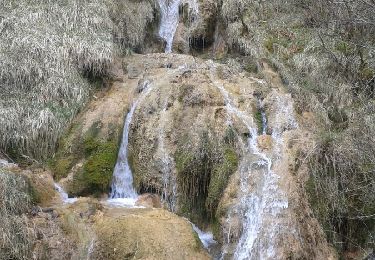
(265, 142)
(149, 201)
(145, 234)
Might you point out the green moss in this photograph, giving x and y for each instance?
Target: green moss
(268, 44)
(62, 167)
(69, 150)
(367, 73)
(96, 176)
(344, 47)
(251, 67)
(203, 173)
(219, 178)
(258, 120)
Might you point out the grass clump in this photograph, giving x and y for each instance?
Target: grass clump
(50, 52)
(46, 49)
(16, 241)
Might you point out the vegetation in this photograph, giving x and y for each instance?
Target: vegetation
(203, 173)
(96, 175)
(17, 234)
(48, 49)
(325, 53)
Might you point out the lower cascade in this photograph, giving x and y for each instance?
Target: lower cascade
(122, 189)
(64, 195)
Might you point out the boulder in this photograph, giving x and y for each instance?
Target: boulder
(149, 201)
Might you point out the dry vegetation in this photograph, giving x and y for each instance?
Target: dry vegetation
(325, 52)
(17, 234)
(51, 54)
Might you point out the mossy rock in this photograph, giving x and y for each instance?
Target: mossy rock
(96, 174)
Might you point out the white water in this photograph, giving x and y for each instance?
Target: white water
(122, 192)
(169, 21)
(169, 11)
(64, 196)
(207, 238)
(262, 202)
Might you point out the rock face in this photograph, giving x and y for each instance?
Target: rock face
(145, 234)
(192, 135)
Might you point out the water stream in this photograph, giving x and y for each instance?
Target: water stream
(63, 195)
(262, 202)
(169, 178)
(122, 190)
(169, 21)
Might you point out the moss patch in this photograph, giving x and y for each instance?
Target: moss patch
(203, 173)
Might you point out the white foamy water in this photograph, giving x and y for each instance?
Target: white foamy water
(64, 196)
(169, 179)
(169, 12)
(122, 202)
(122, 190)
(169, 21)
(207, 238)
(262, 203)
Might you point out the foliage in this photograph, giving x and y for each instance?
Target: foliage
(203, 173)
(96, 175)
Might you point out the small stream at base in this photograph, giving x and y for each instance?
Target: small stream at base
(64, 195)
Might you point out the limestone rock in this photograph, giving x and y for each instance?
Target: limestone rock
(149, 201)
(265, 142)
(145, 234)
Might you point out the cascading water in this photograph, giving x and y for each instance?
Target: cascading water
(169, 12)
(262, 202)
(169, 21)
(122, 190)
(64, 196)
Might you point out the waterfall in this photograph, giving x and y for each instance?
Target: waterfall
(262, 202)
(169, 21)
(122, 184)
(169, 12)
(207, 238)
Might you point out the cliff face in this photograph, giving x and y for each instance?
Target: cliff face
(255, 145)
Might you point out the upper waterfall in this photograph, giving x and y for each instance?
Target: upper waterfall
(169, 12)
(169, 21)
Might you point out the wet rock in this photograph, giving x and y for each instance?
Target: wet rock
(145, 234)
(134, 71)
(149, 201)
(265, 142)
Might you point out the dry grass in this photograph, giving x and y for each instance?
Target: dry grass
(131, 20)
(47, 51)
(17, 235)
